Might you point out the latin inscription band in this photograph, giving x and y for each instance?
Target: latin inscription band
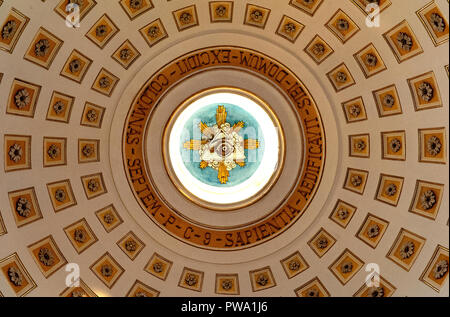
(134, 145)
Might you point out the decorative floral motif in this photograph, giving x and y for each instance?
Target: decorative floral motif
(342, 25)
(294, 265)
(257, 16)
(437, 22)
(343, 213)
(78, 293)
(60, 195)
(22, 99)
(106, 270)
(131, 246)
(9, 29)
(104, 82)
(158, 267)
(59, 107)
(440, 269)
(428, 199)
(426, 92)
(46, 257)
(391, 190)
(221, 11)
(262, 280)
(322, 243)
(434, 146)
(136, 4)
(341, 77)
(191, 279)
(23, 207)
(101, 30)
(126, 54)
(312, 292)
(41, 48)
(15, 153)
(318, 49)
(290, 28)
(88, 150)
(78, 2)
(92, 115)
(354, 111)
(109, 218)
(373, 231)
(53, 151)
(404, 41)
(227, 284)
(154, 31)
(140, 294)
(407, 250)
(186, 17)
(360, 145)
(15, 276)
(395, 145)
(371, 60)
(356, 180)
(93, 185)
(80, 235)
(388, 101)
(75, 66)
(375, 292)
(347, 267)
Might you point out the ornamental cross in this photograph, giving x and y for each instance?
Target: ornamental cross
(221, 147)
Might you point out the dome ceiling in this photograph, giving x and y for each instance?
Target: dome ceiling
(346, 175)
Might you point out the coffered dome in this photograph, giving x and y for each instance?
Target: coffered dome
(196, 148)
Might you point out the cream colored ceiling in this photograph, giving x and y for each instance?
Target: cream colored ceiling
(42, 14)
